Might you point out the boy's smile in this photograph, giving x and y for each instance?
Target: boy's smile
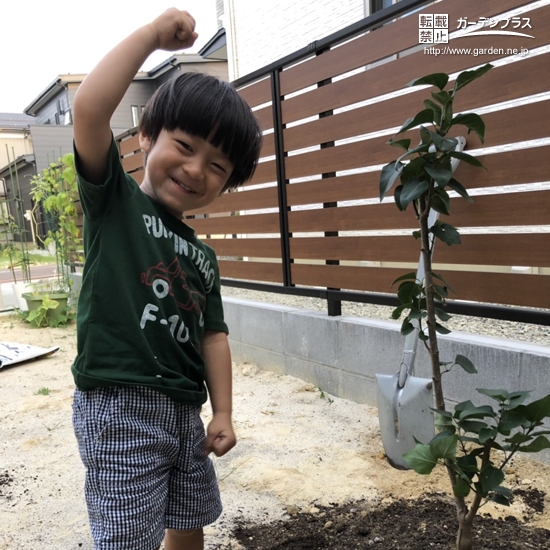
(183, 172)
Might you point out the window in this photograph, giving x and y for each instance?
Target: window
(136, 114)
(377, 5)
(57, 118)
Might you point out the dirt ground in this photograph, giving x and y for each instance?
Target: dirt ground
(308, 471)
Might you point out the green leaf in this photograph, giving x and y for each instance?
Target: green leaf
(440, 175)
(466, 158)
(468, 464)
(473, 122)
(436, 79)
(429, 104)
(420, 118)
(441, 329)
(413, 170)
(421, 459)
(518, 438)
(444, 447)
(490, 478)
(499, 499)
(448, 145)
(434, 137)
(472, 426)
(539, 444)
(443, 315)
(509, 421)
(397, 198)
(504, 491)
(498, 395)
(402, 143)
(407, 276)
(412, 190)
(396, 313)
(444, 423)
(446, 233)
(536, 410)
(441, 291)
(460, 189)
(465, 363)
(389, 174)
(461, 488)
(517, 398)
(439, 277)
(486, 434)
(442, 97)
(407, 291)
(441, 202)
(465, 77)
(417, 234)
(407, 327)
(477, 412)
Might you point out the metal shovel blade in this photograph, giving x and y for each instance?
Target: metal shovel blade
(404, 414)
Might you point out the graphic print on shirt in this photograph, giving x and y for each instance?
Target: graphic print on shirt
(164, 279)
(172, 280)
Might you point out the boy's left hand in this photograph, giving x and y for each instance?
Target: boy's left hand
(220, 437)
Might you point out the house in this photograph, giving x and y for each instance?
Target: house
(44, 132)
(265, 32)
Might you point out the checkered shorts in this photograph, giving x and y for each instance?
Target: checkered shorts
(146, 469)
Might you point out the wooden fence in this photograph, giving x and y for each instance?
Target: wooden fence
(310, 219)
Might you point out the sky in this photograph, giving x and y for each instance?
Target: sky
(40, 39)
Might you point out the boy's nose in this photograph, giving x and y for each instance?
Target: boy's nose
(195, 169)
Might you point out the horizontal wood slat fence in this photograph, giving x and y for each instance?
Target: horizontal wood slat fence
(310, 222)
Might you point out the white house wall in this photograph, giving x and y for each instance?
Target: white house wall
(262, 32)
(16, 147)
(50, 142)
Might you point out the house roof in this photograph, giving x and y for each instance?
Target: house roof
(216, 47)
(18, 163)
(175, 60)
(51, 91)
(14, 121)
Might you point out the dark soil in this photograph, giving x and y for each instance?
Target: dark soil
(424, 524)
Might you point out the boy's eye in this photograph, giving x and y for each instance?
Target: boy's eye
(219, 167)
(184, 145)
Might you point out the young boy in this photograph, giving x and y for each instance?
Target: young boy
(151, 333)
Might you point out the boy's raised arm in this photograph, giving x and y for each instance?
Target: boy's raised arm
(102, 90)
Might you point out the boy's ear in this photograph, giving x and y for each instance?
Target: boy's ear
(144, 142)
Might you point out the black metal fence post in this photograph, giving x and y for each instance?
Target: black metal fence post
(281, 177)
(334, 306)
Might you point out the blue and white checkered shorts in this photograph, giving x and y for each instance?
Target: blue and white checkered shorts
(146, 469)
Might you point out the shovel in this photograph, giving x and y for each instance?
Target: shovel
(405, 401)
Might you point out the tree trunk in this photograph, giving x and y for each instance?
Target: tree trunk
(464, 535)
(431, 320)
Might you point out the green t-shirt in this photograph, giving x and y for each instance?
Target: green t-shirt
(150, 288)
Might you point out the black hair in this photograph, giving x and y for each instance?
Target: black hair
(211, 109)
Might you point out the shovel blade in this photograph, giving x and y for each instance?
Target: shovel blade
(404, 414)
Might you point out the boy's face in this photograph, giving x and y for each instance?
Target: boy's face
(183, 172)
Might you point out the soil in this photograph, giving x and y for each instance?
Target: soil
(426, 523)
(308, 471)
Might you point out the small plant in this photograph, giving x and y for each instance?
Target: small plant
(55, 190)
(50, 313)
(474, 443)
(16, 257)
(43, 391)
(323, 395)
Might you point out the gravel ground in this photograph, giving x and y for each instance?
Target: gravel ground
(523, 332)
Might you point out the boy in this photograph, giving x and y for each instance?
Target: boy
(151, 333)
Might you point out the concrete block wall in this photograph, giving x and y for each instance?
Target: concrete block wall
(342, 355)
